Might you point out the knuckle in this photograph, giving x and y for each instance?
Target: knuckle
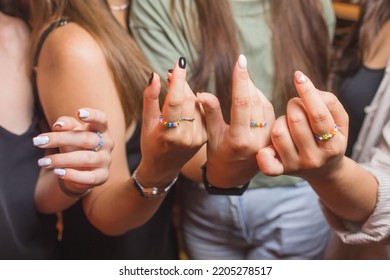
(297, 119)
(90, 159)
(319, 116)
(239, 145)
(243, 103)
(278, 132)
(174, 101)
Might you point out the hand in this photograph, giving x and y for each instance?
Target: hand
(171, 138)
(78, 164)
(295, 149)
(232, 149)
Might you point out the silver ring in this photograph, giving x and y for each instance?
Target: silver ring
(188, 119)
(100, 144)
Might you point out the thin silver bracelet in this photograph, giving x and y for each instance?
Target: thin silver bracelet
(151, 192)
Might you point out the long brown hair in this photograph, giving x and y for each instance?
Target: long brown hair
(129, 68)
(349, 56)
(298, 24)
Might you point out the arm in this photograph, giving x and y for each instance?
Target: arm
(71, 63)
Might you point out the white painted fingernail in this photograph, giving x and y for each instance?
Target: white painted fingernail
(44, 161)
(83, 114)
(59, 123)
(300, 77)
(60, 171)
(40, 140)
(242, 62)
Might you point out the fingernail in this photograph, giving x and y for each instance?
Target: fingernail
(182, 63)
(60, 171)
(300, 78)
(40, 140)
(242, 62)
(44, 161)
(170, 70)
(168, 80)
(83, 114)
(59, 123)
(151, 78)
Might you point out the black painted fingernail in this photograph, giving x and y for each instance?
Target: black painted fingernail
(182, 63)
(168, 80)
(170, 70)
(151, 78)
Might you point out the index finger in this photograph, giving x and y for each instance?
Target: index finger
(321, 120)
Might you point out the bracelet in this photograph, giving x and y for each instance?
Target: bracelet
(69, 193)
(213, 190)
(151, 192)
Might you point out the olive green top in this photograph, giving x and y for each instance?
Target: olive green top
(163, 43)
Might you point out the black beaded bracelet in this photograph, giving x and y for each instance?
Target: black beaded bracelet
(213, 190)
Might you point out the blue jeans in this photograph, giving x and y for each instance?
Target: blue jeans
(265, 223)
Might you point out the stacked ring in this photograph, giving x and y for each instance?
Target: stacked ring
(258, 124)
(170, 124)
(327, 136)
(100, 144)
(188, 119)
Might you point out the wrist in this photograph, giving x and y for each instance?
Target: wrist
(150, 191)
(215, 190)
(71, 193)
(154, 176)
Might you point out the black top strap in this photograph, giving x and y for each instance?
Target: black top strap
(45, 34)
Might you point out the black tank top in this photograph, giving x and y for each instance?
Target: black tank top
(355, 94)
(24, 233)
(154, 240)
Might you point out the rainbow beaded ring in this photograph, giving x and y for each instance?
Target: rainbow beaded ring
(170, 124)
(327, 136)
(258, 124)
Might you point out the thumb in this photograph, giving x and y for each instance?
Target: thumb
(212, 110)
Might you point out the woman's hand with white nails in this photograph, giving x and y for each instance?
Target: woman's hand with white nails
(76, 163)
(232, 149)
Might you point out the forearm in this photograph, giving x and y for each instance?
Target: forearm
(350, 192)
(118, 208)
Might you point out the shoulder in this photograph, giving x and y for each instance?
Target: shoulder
(70, 44)
(14, 33)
